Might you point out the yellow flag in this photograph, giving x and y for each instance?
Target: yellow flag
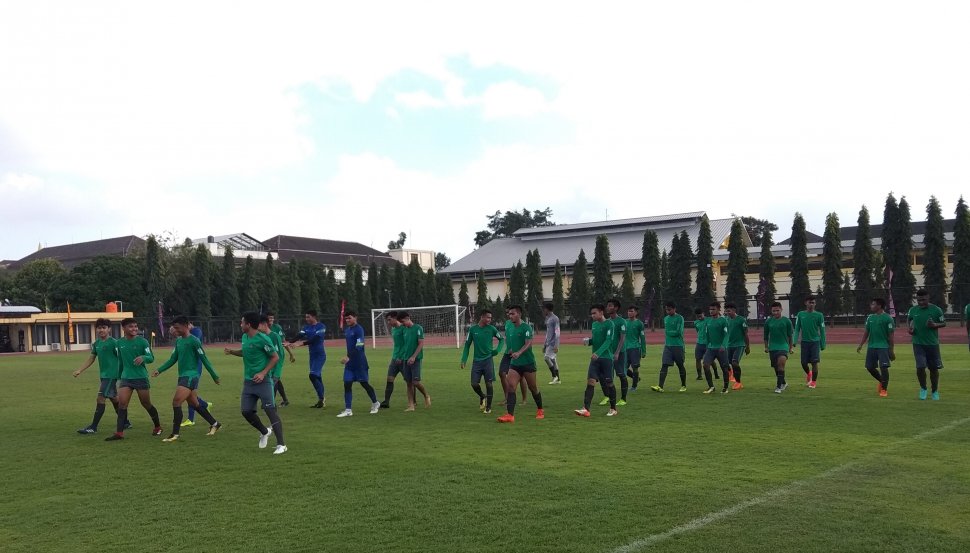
(70, 325)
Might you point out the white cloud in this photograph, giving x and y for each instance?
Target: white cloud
(418, 100)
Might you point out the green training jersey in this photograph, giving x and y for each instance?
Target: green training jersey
(966, 316)
(880, 327)
(602, 338)
(397, 339)
(716, 331)
(412, 337)
(635, 335)
(737, 330)
(482, 337)
(277, 371)
(187, 353)
(507, 329)
(700, 325)
(109, 365)
(619, 329)
(128, 351)
(277, 330)
(778, 333)
(674, 330)
(256, 352)
(811, 324)
(922, 334)
(516, 339)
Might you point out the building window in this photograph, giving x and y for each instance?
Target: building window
(40, 335)
(414, 258)
(53, 334)
(116, 330)
(82, 334)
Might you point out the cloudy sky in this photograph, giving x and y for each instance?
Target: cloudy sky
(358, 120)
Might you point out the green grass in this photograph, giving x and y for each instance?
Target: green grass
(451, 479)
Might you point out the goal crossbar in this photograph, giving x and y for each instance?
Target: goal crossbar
(439, 321)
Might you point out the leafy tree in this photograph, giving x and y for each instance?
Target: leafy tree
(441, 261)
(385, 282)
(329, 301)
(906, 280)
(961, 257)
(766, 270)
(848, 296)
(226, 296)
(374, 285)
(430, 294)
(736, 291)
(897, 247)
(800, 287)
(863, 263)
(679, 267)
(364, 302)
(248, 294)
(446, 292)
(415, 290)
(664, 290)
(156, 277)
(832, 280)
(558, 297)
(934, 254)
(628, 294)
(37, 282)
(347, 290)
(463, 298)
(705, 266)
(290, 291)
(756, 229)
(201, 291)
(482, 298)
(603, 287)
(269, 284)
(580, 297)
(517, 284)
(92, 284)
(179, 282)
(309, 286)
(534, 293)
(502, 225)
(650, 260)
(399, 294)
(399, 243)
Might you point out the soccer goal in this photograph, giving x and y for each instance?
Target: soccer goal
(444, 325)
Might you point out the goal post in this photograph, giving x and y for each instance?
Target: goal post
(444, 325)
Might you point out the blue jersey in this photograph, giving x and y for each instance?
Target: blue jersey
(355, 347)
(313, 334)
(197, 332)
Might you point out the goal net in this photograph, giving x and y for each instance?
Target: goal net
(444, 325)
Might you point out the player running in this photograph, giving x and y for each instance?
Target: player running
(522, 365)
(601, 362)
(925, 322)
(811, 324)
(134, 352)
(879, 334)
(278, 371)
(617, 345)
(779, 344)
(355, 366)
(105, 350)
(738, 345)
(673, 347)
(635, 343)
(506, 363)
(700, 348)
(483, 335)
(715, 336)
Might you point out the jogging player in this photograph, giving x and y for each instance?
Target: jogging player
(635, 343)
(278, 371)
(673, 347)
(105, 351)
(134, 352)
(715, 334)
(925, 322)
(617, 345)
(522, 364)
(738, 345)
(779, 344)
(601, 361)
(811, 325)
(880, 353)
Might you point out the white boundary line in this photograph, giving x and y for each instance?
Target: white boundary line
(701, 522)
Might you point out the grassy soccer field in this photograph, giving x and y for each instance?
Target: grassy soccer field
(832, 469)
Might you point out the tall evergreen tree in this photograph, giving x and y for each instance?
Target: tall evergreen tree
(248, 292)
(385, 282)
(463, 299)
(961, 257)
(269, 294)
(399, 293)
(446, 292)
(906, 280)
(347, 290)
(558, 295)
(309, 287)
(736, 291)
(663, 292)
(155, 274)
(934, 254)
(705, 266)
(291, 296)
(603, 287)
(226, 300)
(202, 286)
(864, 265)
(535, 296)
(481, 300)
(897, 247)
(628, 294)
(415, 290)
(650, 260)
(848, 296)
(329, 301)
(800, 286)
(679, 267)
(766, 270)
(832, 280)
(430, 294)
(517, 284)
(374, 284)
(580, 295)
(364, 299)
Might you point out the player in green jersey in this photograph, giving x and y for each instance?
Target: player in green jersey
(105, 351)
(600, 369)
(278, 372)
(522, 365)
(259, 358)
(716, 336)
(134, 352)
(925, 322)
(396, 364)
(779, 344)
(700, 348)
(811, 325)
(879, 334)
(618, 348)
(483, 335)
(673, 347)
(738, 344)
(413, 354)
(506, 363)
(966, 322)
(188, 353)
(635, 344)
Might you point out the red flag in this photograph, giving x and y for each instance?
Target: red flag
(343, 304)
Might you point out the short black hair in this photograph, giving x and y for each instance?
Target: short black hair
(880, 302)
(673, 305)
(263, 318)
(614, 302)
(251, 318)
(633, 307)
(180, 320)
(698, 311)
(128, 321)
(776, 304)
(401, 315)
(922, 292)
(484, 312)
(270, 314)
(597, 306)
(390, 315)
(548, 305)
(730, 305)
(517, 308)
(716, 304)
(350, 313)
(810, 298)
(102, 322)
(311, 312)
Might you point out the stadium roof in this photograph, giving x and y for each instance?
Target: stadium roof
(847, 234)
(71, 255)
(238, 241)
(563, 242)
(333, 253)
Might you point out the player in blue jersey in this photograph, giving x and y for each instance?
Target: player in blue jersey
(355, 366)
(312, 336)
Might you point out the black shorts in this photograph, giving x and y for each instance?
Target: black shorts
(877, 357)
(716, 353)
(190, 382)
(927, 356)
(601, 370)
(484, 368)
(522, 369)
(811, 352)
(412, 371)
(673, 355)
(633, 358)
(776, 354)
(134, 383)
(395, 367)
(503, 367)
(735, 354)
